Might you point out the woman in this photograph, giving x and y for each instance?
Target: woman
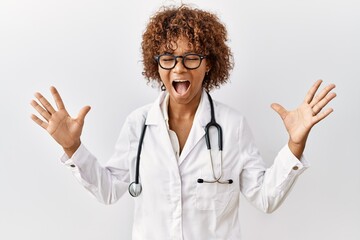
(188, 191)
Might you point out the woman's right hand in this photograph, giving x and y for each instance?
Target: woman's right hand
(58, 123)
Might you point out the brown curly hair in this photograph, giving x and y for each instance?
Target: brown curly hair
(206, 35)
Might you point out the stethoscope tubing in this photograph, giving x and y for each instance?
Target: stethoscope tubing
(213, 123)
(137, 168)
(135, 188)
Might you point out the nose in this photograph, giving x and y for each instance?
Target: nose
(179, 65)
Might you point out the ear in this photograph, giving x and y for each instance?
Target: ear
(208, 68)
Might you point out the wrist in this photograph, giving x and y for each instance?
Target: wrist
(296, 148)
(69, 151)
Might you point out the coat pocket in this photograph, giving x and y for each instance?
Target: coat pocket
(213, 196)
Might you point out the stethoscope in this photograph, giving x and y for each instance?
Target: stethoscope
(135, 188)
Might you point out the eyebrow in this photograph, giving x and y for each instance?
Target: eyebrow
(172, 53)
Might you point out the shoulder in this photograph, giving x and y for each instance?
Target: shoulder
(141, 114)
(233, 123)
(134, 123)
(224, 111)
(232, 120)
(138, 116)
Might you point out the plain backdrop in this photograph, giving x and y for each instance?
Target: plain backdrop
(90, 50)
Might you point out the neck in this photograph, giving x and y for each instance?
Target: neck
(183, 111)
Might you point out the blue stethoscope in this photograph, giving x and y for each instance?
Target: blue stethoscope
(135, 188)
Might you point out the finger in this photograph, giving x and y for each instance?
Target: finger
(82, 113)
(322, 95)
(59, 102)
(322, 115)
(311, 93)
(319, 106)
(40, 110)
(39, 122)
(280, 110)
(45, 103)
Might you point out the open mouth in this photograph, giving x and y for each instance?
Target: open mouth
(181, 86)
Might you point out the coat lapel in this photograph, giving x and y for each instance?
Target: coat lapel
(156, 122)
(197, 132)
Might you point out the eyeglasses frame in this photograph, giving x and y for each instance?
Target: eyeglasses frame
(157, 59)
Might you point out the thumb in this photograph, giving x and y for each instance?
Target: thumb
(82, 113)
(280, 110)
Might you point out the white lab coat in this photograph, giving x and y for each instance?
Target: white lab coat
(173, 205)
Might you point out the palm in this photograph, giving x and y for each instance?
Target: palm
(58, 123)
(64, 129)
(299, 122)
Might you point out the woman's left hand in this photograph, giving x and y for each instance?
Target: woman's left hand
(299, 122)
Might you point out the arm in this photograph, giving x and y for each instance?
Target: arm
(108, 183)
(266, 188)
(300, 121)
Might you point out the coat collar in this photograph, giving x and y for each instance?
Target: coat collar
(202, 117)
(155, 116)
(197, 132)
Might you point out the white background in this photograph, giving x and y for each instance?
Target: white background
(90, 50)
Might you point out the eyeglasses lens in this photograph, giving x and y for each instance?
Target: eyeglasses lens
(190, 61)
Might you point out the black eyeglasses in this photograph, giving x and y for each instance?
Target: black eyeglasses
(190, 60)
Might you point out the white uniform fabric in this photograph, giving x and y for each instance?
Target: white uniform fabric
(173, 205)
(173, 137)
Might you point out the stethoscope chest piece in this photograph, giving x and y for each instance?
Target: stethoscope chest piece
(135, 189)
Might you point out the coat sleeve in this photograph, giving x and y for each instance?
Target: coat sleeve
(266, 188)
(107, 183)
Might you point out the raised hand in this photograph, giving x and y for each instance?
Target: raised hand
(299, 122)
(58, 123)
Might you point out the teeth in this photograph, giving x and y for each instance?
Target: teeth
(180, 80)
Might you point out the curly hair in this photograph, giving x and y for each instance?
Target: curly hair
(206, 35)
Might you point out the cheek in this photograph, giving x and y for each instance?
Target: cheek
(164, 75)
(201, 76)
(161, 73)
